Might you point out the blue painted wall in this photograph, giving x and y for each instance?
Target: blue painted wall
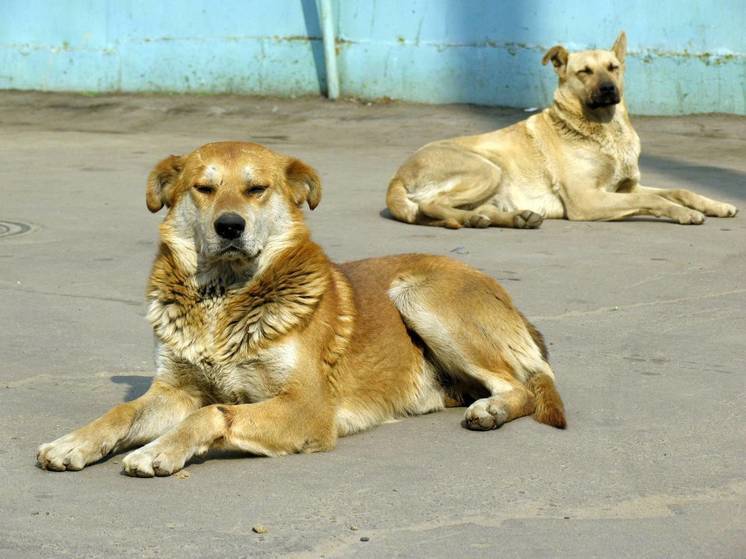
(268, 47)
(685, 56)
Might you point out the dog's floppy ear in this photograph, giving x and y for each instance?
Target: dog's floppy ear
(620, 47)
(558, 55)
(304, 182)
(161, 180)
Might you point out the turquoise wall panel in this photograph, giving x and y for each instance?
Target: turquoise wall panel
(685, 57)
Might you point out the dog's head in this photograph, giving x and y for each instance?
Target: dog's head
(594, 77)
(232, 199)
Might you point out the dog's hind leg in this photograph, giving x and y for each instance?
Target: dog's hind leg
(507, 398)
(449, 186)
(454, 209)
(440, 214)
(692, 200)
(444, 210)
(476, 336)
(124, 426)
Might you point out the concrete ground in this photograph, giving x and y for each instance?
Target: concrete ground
(645, 321)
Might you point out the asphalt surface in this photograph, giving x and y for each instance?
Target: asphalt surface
(645, 321)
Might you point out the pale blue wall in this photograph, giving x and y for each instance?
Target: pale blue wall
(685, 56)
(251, 46)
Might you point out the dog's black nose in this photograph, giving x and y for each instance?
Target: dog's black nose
(607, 88)
(230, 226)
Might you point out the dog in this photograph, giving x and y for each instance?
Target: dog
(577, 159)
(264, 346)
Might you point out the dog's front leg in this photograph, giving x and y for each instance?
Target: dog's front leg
(125, 425)
(707, 206)
(282, 425)
(599, 205)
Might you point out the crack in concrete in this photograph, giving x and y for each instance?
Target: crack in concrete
(643, 507)
(129, 302)
(663, 275)
(616, 308)
(43, 378)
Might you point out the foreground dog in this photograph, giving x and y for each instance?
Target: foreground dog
(266, 347)
(575, 160)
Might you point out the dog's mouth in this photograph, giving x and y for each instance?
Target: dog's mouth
(233, 251)
(606, 100)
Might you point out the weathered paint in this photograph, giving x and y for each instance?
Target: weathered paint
(263, 47)
(685, 57)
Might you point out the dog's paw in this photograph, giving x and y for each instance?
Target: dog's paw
(72, 452)
(527, 220)
(686, 216)
(477, 220)
(722, 210)
(153, 460)
(485, 414)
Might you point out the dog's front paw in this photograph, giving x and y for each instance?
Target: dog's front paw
(722, 210)
(72, 452)
(686, 216)
(154, 460)
(485, 414)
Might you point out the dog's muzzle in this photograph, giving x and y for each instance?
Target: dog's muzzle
(606, 95)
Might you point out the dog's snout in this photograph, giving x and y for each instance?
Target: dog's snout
(230, 225)
(607, 88)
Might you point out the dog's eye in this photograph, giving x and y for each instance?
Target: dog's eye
(613, 67)
(586, 71)
(204, 189)
(255, 190)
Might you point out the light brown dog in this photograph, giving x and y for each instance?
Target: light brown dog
(578, 159)
(266, 347)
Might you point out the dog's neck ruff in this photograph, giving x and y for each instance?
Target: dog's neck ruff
(615, 139)
(572, 120)
(208, 323)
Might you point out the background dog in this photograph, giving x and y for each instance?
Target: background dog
(578, 159)
(266, 347)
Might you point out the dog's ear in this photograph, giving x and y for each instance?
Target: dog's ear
(620, 47)
(161, 181)
(304, 182)
(558, 55)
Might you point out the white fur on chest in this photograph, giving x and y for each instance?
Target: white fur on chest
(257, 379)
(605, 166)
(250, 378)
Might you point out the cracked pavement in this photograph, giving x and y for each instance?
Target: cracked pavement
(644, 319)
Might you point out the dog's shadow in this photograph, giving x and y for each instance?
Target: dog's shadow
(385, 213)
(719, 180)
(137, 385)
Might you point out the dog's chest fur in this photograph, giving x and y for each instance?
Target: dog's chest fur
(202, 352)
(617, 147)
(606, 154)
(234, 341)
(622, 151)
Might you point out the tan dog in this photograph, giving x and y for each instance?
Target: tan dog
(578, 159)
(266, 347)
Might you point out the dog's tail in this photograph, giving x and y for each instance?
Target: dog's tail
(399, 204)
(548, 406)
